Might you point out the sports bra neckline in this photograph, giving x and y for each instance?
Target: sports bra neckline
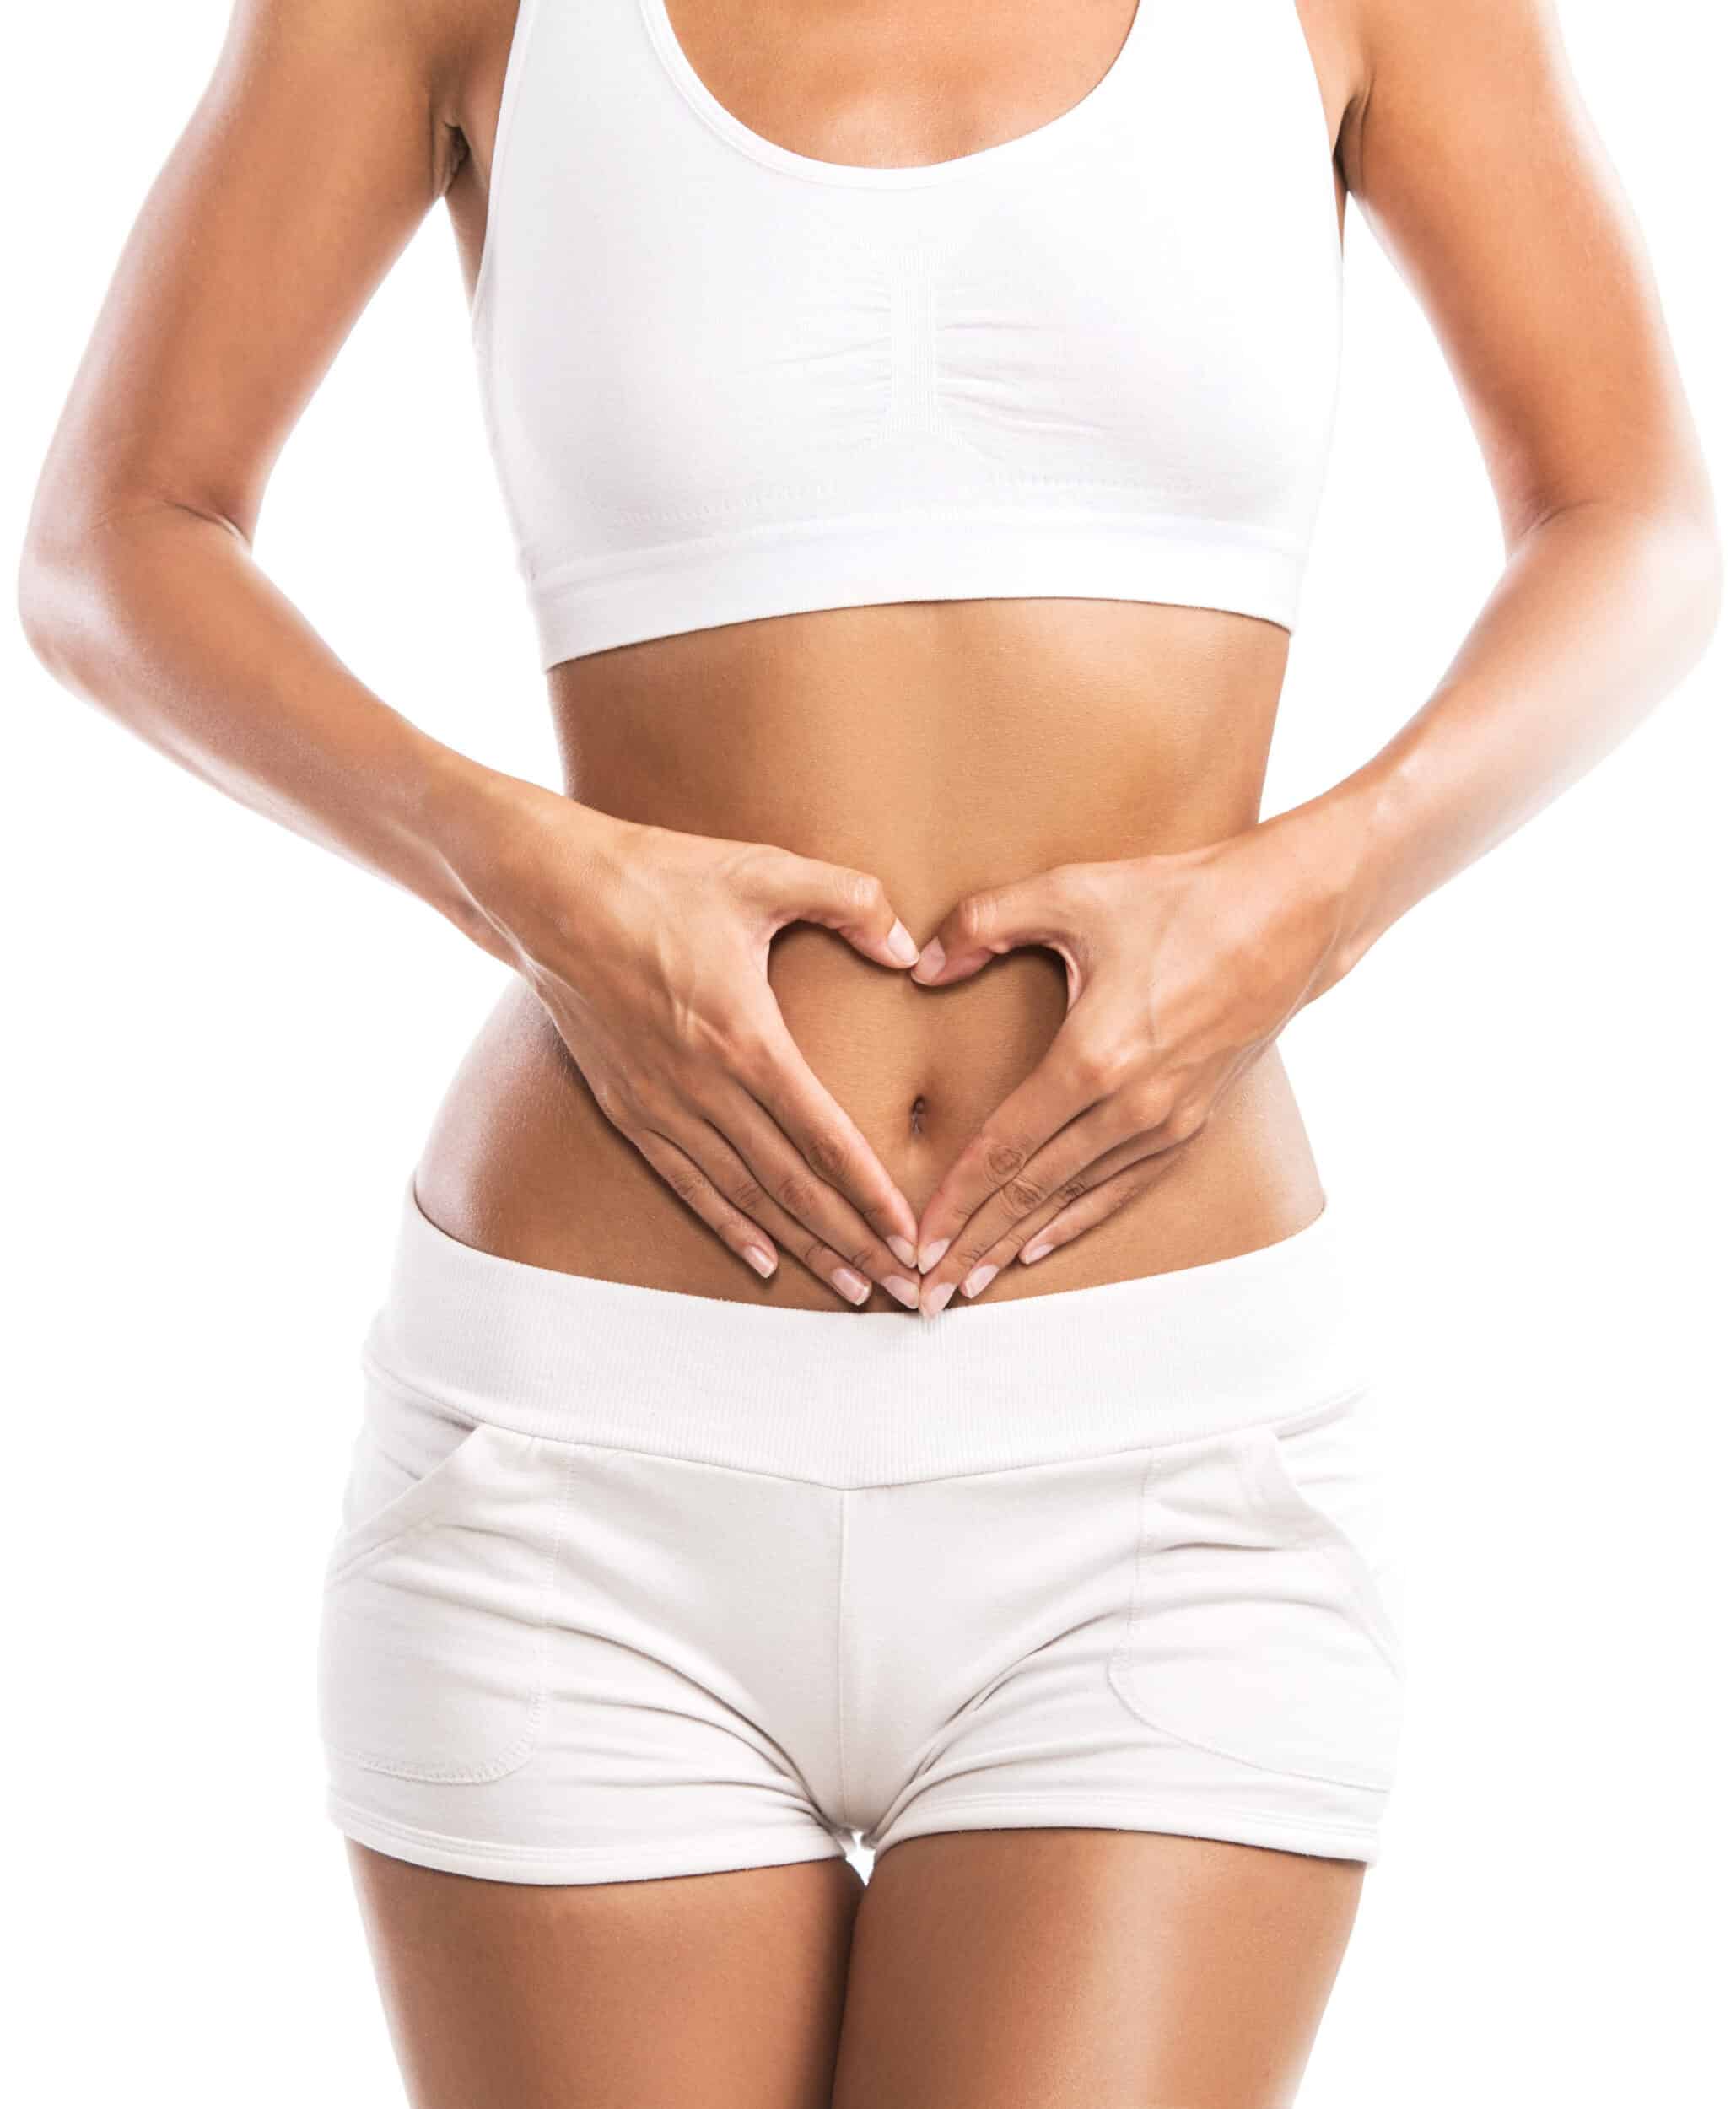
(723, 380)
(868, 175)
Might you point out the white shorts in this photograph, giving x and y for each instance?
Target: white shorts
(634, 1584)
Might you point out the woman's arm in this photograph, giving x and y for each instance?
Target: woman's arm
(318, 147)
(1468, 147)
(1475, 162)
(327, 131)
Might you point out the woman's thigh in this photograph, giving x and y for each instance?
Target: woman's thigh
(1046, 1969)
(714, 1991)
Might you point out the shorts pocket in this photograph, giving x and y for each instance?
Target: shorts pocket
(435, 1615)
(1256, 1628)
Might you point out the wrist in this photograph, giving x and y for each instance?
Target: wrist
(1342, 844)
(509, 852)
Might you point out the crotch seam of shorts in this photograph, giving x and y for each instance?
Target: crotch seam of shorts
(837, 1664)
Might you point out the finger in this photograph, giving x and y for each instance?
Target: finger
(852, 903)
(689, 1184)
(712, 1155)
(1100, 1203)
(1033, 911)
(1086, 1152)
(1122, 1175)
(781, 1188)
(1155, 1153)
(1068, 1082)
(777, 1077)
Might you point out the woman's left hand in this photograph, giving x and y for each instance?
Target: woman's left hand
(1181, 969)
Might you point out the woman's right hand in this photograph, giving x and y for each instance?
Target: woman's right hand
(648, 948)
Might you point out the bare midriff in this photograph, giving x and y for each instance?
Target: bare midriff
(943, 747)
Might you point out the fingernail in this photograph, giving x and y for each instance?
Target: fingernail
(932, 1254)
(934, 1300)
(901, 946)
(760, 1261)
(906, 1291)
(932, 958)
(1033, 1253)
(979, 1278)
(849, 1284)
(904, 1250)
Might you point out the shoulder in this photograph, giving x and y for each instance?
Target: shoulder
(434, 38)
(1460, 65)
(362, 58)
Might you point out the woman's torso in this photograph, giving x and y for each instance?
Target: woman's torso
(943, 744)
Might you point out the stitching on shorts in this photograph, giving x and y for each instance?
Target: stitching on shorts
(1033, 1803)
(1295, 1424)
(1365, 1785)
(519, 1751)
(1118, 1667)
(367, 1546)
(1335, 1550)
(344, 1812)
(844, 1525)
(1142, 1553)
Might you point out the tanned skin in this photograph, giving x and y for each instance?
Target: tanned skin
(716, 1045)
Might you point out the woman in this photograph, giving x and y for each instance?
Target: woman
(911, 421)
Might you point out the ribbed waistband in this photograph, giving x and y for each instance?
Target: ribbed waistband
(871, 1398)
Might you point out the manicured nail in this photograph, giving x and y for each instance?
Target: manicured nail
(901, 946)
(849, 1284)
(903, 1248)
(760, 1261)
(979, 1278)
(1033, 1253)
(906, 1291)
(934, 1300)
(932, 1254)
(932, 959)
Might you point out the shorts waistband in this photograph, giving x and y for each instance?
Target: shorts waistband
(875, 1398)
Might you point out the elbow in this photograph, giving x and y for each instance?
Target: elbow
(1713, 581)
(58, 571)
(1677, 576)
(1669, 555)
(79, 574)
(36, 600)
(97, 570)
(1694, 565)
(1687, 556)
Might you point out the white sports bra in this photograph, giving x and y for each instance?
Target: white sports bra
(723, 380)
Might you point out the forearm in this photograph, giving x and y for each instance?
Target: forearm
(1599, 611)
(161, 616)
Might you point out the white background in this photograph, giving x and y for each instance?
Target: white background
(226, 1046)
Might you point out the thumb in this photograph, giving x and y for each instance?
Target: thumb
(999, 920)
(854, 903)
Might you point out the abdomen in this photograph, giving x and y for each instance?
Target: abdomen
(945, 747)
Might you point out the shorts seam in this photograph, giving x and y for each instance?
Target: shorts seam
(1141, 1554)
(1335, 1402)
(388, 1379)
(1300, 1775)
(360, 1823)
(837, 1654)
(1321, 1537)
(1116, 1668)
(519, 1752)
(1181, 1824)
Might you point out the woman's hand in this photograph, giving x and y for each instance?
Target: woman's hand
(649, 949)
(1180, 970)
